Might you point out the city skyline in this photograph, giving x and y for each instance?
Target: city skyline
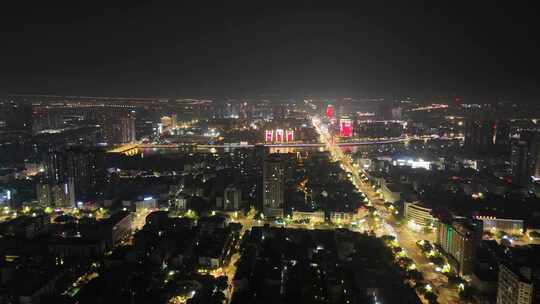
(238, 153)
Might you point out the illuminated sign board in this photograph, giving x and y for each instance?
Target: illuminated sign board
(330, 111)
(345, 127)
(269, 136)
(290, 135)
(414, 164)
(279, 135)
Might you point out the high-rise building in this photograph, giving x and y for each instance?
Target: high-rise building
(345, 127)
(231, 198)
(55, 166)
(519, 162)
(119, 129)
(502, 133)
(85, 167)
(7, 197)
(524, 156)
(515, 285)
(43, 194)
(459, 240)
(63, 194)
(174, 120)
(273, 185)
(479, 136)
(397, 113)
(330, 111)
(127, 128)
(82, 165)
(55, 188)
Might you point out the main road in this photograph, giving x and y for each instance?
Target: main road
(229, 270)
(406, 239)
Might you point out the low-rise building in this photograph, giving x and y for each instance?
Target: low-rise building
(492, 224)
(213, 248)
(390, 192)
(375, 178)
(313, 216)
(418, 214)
(272, 212)
(211, 223)
(120, 225)
(179, 203)
(91, 238)
(27, 285)
(337, 217)
(25, 226)
(77, 246)
(146, 203)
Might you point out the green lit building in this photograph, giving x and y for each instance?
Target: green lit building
(458, 239)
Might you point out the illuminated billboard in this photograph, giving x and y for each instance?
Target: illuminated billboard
(279, 135)
(269, 136)
(290, 135)
(345, 127)
(330, 111)
(413, 163)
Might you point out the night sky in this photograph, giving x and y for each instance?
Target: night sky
(481, 52)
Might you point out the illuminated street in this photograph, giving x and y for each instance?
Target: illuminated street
(230, 269)
(139, 219)
(405, 238)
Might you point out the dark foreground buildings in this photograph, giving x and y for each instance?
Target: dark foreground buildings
(317, 266)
